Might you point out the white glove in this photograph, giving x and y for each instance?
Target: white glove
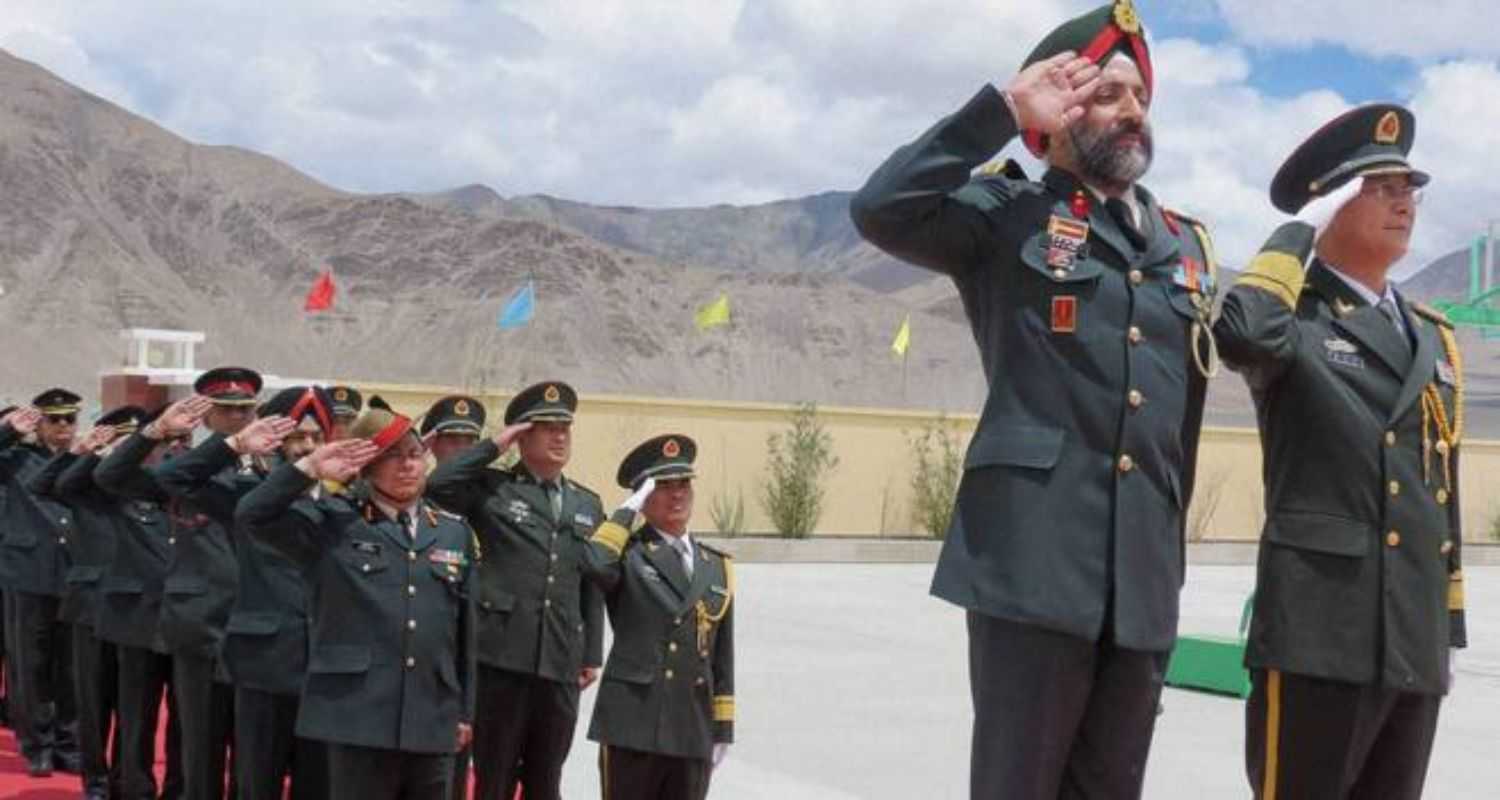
(1321, 210)
(638, 499)
(720, 751)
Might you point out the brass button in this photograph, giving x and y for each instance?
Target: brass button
(1442, 497)
(1390, 438)
(485, 605)
(672, 647)
(698, 682)
(677, 621)
(62, 540)
(1447, 547)
(411, 662)
(411, 591)
(411, 624)
(554, 556)
(411, 555)
(669, 674)
(1134, 335)
(1441, 447)
(171, 540)
(1059, 273)
(1393, 539)
(703, 653)
(364, 567)
(551, 579)
(1135, 398)
(1136, 276)
(547, 603)
(1395, 487)
(1126, 463)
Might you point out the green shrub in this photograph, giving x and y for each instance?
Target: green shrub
(798, 460)
(938, 458)
(728, 515)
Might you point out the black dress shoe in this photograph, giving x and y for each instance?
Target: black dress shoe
(40, 764)
(70, 762)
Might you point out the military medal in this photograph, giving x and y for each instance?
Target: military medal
(1187, 274)
(1065, 241)
(1064, 314)
(1079, 205)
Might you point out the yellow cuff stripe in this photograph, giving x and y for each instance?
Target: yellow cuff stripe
(1278, 273)
(1456, 591)
(613, 536)
(724, 708)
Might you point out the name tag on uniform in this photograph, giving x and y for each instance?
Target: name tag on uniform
(1343, 352)
(584, 520)
(519, 510)
(368, 548)
(1446, 374)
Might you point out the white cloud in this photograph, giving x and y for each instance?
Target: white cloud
(1426, 29)
(660, 102)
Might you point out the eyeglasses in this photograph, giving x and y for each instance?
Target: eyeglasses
(1393, 192)
(63, 419)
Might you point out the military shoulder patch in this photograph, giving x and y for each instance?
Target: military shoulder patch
(1430, 313)
(1008, 168)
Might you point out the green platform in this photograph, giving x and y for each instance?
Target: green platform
(1212, 663)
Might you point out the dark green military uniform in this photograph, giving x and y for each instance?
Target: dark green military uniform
(667, 697)
(540, 621)
(5, 665)
(1067, 539)
(128, 611)
(463, 416)
(1359, 586)
(391, 669)
(68, 478)
(34, 560)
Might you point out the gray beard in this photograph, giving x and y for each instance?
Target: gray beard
(1103, 163)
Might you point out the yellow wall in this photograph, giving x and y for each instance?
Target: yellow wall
(868, 494)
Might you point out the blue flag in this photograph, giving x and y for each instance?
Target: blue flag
(519, 309)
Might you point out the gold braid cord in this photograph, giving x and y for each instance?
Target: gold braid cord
(1435, 415)
(707, 621)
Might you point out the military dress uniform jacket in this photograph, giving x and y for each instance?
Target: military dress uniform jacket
(33, 556)
(200, 585)
(668, 687)
(1078, 474)
(130, 591)
(392, 662)
(67, 479)
(537, 614)
(265, 638)
(1359, 574)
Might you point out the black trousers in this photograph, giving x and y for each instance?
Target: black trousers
(523, 729)
(458, 787)
(207, 709)
(42, 696)
(5, 678)
(634, 775)
(1313, 738)
(267, 750)
(145, 682)
(1057, 716)
(373, 773)
(96, 685)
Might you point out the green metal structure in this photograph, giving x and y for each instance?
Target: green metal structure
(1475, 311)
(1213, 663)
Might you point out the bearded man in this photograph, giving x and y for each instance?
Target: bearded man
(1090, 304)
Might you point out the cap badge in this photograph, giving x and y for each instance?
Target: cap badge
(1126, 19)
(341, 395)
(551, 395)
(461, 408)
(671, 449)
(1388, 130)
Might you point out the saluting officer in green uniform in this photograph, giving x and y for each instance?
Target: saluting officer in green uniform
(452, 425)
(665, 714)
(347, 403)
(390, 683)
(1359, 395)
(541, 624)
(1090, 303)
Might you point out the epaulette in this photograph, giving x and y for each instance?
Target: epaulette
(1200, 230)
(724, 554)
(1431, 313)
(1008, 168)
(442, 512)
(586, 490)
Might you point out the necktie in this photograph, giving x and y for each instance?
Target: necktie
(687, 556)
(554, 497)
(1388, 308)
(404, 520)
(1121, 214)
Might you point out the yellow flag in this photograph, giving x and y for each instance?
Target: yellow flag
(714, 314)
(903, 337)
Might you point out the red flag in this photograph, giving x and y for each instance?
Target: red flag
(320, 296)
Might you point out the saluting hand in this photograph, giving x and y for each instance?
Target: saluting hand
(97, 439)
(1048, 96)
(24, 420)
(180, 418)
(338, 461)
(504, 439)
(637, 501)
(465, 735)
(262, 436)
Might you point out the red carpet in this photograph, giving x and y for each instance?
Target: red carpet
(15, 785)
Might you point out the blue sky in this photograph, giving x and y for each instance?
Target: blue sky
(666, 103)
